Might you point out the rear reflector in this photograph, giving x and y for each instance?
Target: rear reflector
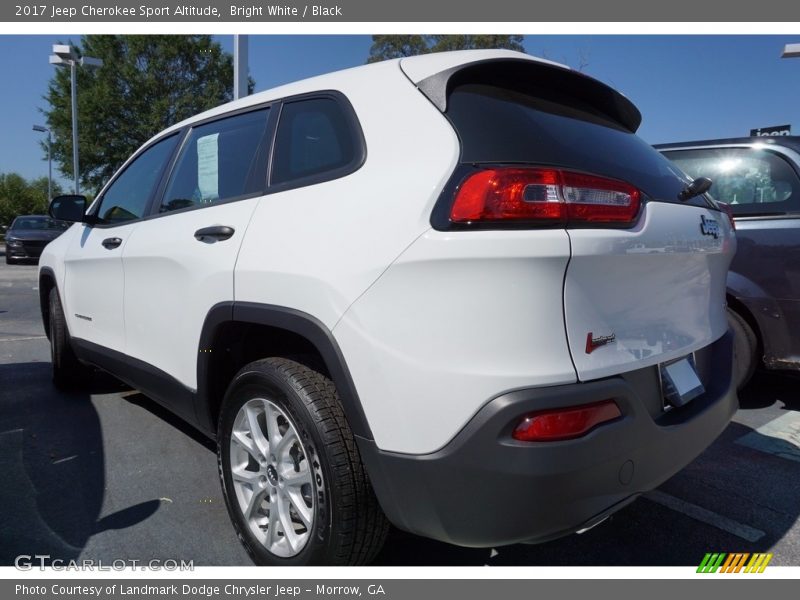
(565, 423)
(513, 194)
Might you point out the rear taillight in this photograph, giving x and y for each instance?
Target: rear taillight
(565, 423)
(726, 208)
(513, 194)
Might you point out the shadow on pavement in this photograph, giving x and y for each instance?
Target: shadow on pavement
(162, 413)
(52, 465)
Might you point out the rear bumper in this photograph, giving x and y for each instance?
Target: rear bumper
(484, 488)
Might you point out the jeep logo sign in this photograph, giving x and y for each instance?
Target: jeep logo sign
(709, 227)
(771, 131)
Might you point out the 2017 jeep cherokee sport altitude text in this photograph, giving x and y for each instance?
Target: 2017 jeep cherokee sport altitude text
(411, 292)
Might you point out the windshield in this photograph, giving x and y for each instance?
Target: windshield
(37, 223)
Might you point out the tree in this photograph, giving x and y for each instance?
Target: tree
(443, 43)
(146, 84)
(385, 47)
(21, 197)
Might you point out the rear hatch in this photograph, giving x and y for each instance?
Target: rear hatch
(645, 282)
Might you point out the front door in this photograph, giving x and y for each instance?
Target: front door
(94, 281)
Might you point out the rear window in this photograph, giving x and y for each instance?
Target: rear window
(315, 142)
(753, 181)
(497, 124)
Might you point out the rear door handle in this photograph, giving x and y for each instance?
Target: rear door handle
(111, 243)
(214, 233)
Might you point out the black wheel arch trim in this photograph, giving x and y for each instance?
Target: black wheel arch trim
(294, 321)
(44, 293)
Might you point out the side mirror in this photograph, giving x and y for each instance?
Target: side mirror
(70, 207)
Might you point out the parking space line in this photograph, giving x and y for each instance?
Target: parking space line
(780, 437)
(23, 339)
(698, 513)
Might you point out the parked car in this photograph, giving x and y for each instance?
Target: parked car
(29, 234)
(411, 291)
(760, 179)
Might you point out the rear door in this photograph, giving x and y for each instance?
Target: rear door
(180, 261)
(761, 184)
(640, 288)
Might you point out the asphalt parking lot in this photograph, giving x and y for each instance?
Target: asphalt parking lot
(106, 474)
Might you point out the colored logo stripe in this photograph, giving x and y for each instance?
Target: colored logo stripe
(711, 562)
(734, 562)
(758, 563)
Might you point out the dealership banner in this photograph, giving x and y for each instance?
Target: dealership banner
(66, 11)
(264, 588)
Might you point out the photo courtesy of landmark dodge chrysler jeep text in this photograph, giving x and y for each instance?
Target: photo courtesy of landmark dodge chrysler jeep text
(453, 292)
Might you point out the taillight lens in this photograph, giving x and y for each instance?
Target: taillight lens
(726, 208)
(513, 194)
(565, 423)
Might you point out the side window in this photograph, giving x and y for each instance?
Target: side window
(127, 196)
(314, 139)
(221, 160)
(752, 181)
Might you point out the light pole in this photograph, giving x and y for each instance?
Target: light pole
(49, 160)
(240, 79)
(65, 56)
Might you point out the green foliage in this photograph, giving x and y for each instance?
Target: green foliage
(21, 197)
(146, 84)
(443, 43)
(385, 47)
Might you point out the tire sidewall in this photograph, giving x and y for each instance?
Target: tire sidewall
(744, 349)
(272, 386)
(56, 332)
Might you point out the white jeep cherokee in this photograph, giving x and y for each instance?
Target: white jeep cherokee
(410, 292)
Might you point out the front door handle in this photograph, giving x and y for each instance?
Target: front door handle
(111, 243)
(216, 233)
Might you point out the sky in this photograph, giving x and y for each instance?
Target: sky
(687, 87)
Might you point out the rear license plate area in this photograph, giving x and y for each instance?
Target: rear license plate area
(680, 383)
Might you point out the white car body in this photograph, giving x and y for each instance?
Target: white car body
(432, 325)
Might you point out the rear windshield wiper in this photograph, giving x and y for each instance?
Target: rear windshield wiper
(699, 186)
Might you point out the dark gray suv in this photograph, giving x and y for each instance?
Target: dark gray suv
(760, 178)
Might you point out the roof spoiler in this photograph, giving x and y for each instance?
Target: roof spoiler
(543, 79)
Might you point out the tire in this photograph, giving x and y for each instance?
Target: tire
(68, 371)
(305, 467)
(8, 259)
(745, 349)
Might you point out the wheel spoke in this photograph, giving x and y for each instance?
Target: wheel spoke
(244, 476)
(272, 536)
(285, 442)
(245, 442)
(286, 522)
(254, 503)
(256, 433)
(303, 511)
(271, 418)
(292, 479)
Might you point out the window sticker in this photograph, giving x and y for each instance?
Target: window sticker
(208, 168)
